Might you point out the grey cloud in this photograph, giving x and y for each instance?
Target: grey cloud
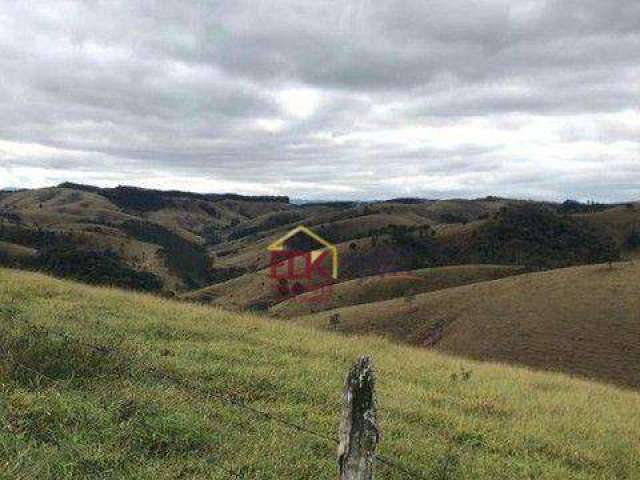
(194, 89)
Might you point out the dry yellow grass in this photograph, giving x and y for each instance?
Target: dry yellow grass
(16, 251)
(251, 291)
(238, 293)
(582, 320)
(55, 207)
(618, 222)
(399, 284)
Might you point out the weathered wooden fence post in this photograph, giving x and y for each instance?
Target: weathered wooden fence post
(359, 434)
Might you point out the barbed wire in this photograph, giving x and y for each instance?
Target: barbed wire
(400, 467)
(224, 398)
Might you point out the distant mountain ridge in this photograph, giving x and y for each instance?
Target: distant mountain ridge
(124, 190)
(176, 241)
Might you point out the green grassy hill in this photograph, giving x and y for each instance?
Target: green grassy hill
(582, 320)
(99, 383)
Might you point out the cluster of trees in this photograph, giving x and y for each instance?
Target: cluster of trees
(526, 234)
(536, 236)
(212, 234)
(574, 206)
(452, 218)
(399, 235)
(59, 254)
(10, 217)
(408, 201)
(188, 260)
(10, 261)
(30, 237)
(420, 240)
(211, 210)
(142, 199)
(95, 267)
(338, 205)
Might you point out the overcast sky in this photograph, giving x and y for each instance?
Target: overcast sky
(324, 99)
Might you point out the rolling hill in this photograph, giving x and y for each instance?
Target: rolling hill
(581, 320)
(99, 383)
(526, 234)
(256, 291)
(394, 285)
(132, 237)
(213, 247)
(619, 222)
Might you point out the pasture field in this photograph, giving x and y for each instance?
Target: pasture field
(580, 320)
(102, 383)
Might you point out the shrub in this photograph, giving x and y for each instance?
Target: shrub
(573, 206)
(212, 234)
(451, 218)
(633, 241)
(334, 321)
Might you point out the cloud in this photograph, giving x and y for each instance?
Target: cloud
(355, 99)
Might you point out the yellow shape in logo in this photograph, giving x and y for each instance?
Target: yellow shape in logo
(279, 246)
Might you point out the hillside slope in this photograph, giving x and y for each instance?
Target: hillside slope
(619, 222)
(98, 383)
(581, 320)
(401, 284)
(255, 291)
(135, 238)
(251, 291)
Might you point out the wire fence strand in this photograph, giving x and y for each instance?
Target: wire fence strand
(224, 398)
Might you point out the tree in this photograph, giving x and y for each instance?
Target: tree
(633, 241)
